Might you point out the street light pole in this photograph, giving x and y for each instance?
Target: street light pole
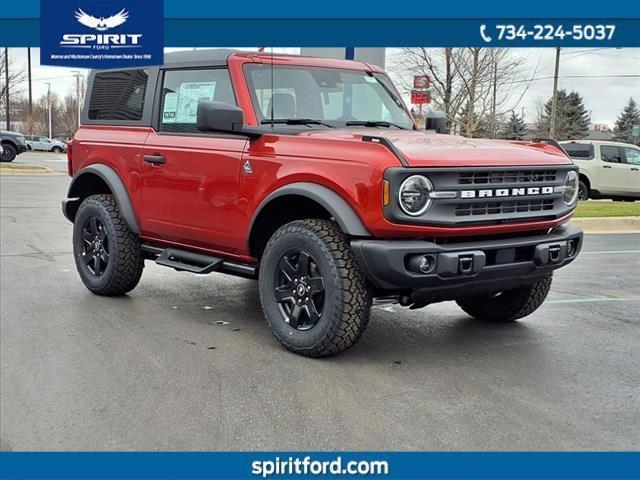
(29, 75)
(554, 101)
(78, 75)
(49, 106)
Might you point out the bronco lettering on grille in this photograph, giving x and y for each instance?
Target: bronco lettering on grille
(506, 192)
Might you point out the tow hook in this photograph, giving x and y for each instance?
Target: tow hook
(465, 264)
(549, 253)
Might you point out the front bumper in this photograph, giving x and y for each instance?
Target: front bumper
(466, 268)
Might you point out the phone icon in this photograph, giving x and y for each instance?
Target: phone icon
(484, 36)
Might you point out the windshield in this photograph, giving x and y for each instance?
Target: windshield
(325, 97)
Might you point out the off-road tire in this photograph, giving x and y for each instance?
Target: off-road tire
(126, 261)
(347, 300)
(9, 153)
(507, 306)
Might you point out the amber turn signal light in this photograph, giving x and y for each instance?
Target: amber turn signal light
(385, 192)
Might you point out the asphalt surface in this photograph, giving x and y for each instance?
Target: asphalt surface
(186, 362)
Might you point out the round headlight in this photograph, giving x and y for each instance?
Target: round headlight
(571, 184)
(413, 195)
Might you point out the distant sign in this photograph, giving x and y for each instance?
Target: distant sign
(419, 98)
(421, 81)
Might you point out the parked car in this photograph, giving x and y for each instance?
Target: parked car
(607, 169)
(45, 144)
(322, 189)
(13, 144)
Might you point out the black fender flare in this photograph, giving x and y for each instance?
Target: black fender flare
(115, 184)
(337, 206)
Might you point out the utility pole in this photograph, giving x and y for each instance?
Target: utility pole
(49, 106)
(493, 103)
(6, 87)
(554, 101)
(78, 75)
(29, 75)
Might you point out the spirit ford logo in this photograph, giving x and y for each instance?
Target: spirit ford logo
(506, 192)
(101, 24)
(101, 39)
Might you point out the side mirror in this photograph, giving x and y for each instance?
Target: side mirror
(222, 117)
(437, 121)
(219, 117)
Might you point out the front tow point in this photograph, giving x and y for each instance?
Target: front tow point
(460, 263)
(465, 264)
(550, 253)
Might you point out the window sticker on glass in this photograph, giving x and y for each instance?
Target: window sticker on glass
(190, 95)
(170, 107)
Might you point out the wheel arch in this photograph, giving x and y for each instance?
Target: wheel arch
(6, 141)
(295, 202)
(95, 179)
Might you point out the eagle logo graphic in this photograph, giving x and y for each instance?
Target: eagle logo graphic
(101, 24)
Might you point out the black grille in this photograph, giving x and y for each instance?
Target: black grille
(501, 177)
(503, 207)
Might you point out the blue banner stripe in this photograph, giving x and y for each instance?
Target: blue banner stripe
(364, 33)
(409, 465)
(366, 9)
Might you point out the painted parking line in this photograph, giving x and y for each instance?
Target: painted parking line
(609, 252)
(592, 299)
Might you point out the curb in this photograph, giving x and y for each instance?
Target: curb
(608, 224)
(25, 170)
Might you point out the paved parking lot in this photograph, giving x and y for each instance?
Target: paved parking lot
(186, 362)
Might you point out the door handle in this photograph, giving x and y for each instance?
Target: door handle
(155, 159)
(606, 166)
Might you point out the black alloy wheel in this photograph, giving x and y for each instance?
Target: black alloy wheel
(95, 246)
(299, 289)
(583, 191)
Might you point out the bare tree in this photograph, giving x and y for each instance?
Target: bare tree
(16, 77)
(464, 81)
(68, 116)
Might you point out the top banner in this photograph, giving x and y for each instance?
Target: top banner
(191, 23)
(362, 9)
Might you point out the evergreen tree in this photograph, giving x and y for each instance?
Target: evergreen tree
(572, 118)
(628, 117)
(514, 129)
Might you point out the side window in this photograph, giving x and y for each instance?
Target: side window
(610, 154)
(183, 89)
(632, 155)
(118, 95)
(581, 151)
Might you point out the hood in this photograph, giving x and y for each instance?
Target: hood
(426, 149)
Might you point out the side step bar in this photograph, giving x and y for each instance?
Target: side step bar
(186, 261)
(182, 260)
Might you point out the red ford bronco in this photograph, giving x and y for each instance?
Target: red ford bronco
(311, 176)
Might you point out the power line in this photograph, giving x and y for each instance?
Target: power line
(528, 80)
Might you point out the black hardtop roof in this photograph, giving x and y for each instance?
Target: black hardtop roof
(197, 58)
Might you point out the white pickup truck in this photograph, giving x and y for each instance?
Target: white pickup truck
(607, 169)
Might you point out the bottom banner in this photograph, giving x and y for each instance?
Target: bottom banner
(392, 465)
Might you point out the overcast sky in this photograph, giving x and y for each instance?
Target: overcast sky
(604, 92)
